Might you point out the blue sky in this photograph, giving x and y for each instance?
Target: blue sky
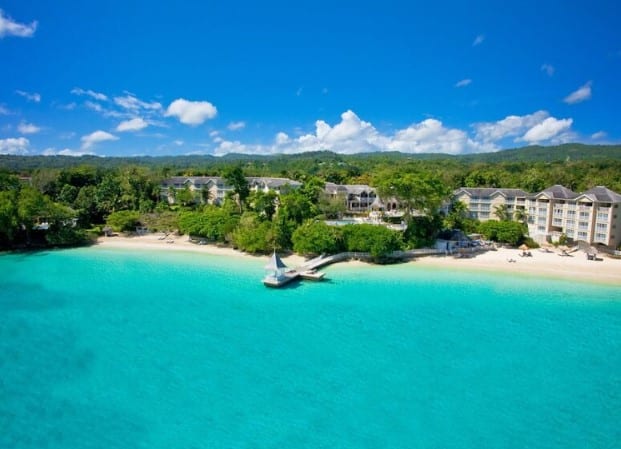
(124, 78)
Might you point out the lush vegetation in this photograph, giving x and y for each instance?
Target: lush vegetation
(57, 199)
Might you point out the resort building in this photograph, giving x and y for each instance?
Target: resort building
(592, 216)
(213, 189)
(278, 185)
(359, 197)
(484, 202)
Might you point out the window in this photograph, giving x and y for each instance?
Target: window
(584, 214)
(602, 216)
(582, 235)
(600, 237)
(601, 227)
(583, 225)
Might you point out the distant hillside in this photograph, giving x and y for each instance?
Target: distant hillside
(570, 151)
(536, 153)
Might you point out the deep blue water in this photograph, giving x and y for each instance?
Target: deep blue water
(113, 349)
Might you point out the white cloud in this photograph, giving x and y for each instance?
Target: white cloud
(299, 91)
(94, 106)
(191, 112)
(478, 40)
(8, 27)
(353, 135)
(324, 91)
(431, 136)
(104, 111)
(90, 93)
(580, 95)
(65, 152)
(17, 145)
(463, 83)
(510, 126)
(132, 103)
(29, 96)
(214, 133)
(234, 126)
(28, 128)
(4, 111)
(599, 135)
(548, 129)
(548, 69)
(135, 124)
(98, 136)
(179, 142)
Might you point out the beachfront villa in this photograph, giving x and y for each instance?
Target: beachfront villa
(359, 197)
(592, 216)
(483, 202)
(215, 188)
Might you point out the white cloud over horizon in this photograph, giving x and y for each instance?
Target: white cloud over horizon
(66, 152)
(14, 145)
(353, 135)
(191, 112)
(9, 27)
(134, 124)
(583, 93)
(96, 137)
(548, 129)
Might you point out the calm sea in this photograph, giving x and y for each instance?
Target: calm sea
(111, 349)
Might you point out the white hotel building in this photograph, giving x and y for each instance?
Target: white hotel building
(592, 216)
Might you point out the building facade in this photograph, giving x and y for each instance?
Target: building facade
(482, 203)
(213, 189)
(592, 216)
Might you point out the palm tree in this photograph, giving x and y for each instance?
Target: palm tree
(520, 215)
(501, 212)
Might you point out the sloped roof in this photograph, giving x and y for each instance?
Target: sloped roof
(273, 183)
(489, 191)
(559, 192)
(603, 195)
(275, 263)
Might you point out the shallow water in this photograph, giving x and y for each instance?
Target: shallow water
(114, 349)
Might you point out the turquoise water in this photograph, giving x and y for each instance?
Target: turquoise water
(110, 349)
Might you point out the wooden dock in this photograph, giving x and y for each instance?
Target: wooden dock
(283, 276)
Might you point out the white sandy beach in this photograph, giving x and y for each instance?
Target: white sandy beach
(541, 264)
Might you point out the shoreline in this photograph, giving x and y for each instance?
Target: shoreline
(542, 264)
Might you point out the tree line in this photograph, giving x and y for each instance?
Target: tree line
(64, 205)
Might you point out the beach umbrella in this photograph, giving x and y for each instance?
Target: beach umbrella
(523, 247)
